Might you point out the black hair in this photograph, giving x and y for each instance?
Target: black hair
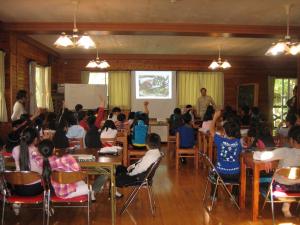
(46, 148)
(21, 94)
(232, 129)
(187, 118)
(81, 115)
(255, 110)
(27, 138)
(202, 89)
(131, 116)
(71, 120)
(188, 106)
(208, 115)
(291, 118)
(78, 107)
(121, 117)
(50, 122)
(114, 110)
(246, 109)
(90, 112)
(177, 111)
(294, 133)
(91, 120)
(60, 139)
(109, 124)
(144, 117)
(153, 141)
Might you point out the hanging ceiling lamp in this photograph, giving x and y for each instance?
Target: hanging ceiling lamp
(286, 46)
(219, 64)
(97, 63)
(74, 40)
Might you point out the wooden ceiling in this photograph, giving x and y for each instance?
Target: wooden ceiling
(188, 27)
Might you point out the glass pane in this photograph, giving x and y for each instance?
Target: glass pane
(98, 78)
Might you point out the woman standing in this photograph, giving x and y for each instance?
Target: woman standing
(19, 106)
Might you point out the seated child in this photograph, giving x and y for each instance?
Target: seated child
(228, 150)
(175, 121)
(108, 131)
(121, 122)
(288, 157)
(114, 114)
(207, 119)
(136, 172)
(186, 132)
(60, 139)
(92, 137)
(140, 131)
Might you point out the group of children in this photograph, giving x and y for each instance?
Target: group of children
(225, 128)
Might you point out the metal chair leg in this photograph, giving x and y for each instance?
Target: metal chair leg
(88, 207)
(48, 207)
(153, 197)
(214, 195)
(3, 210)
(272, 207)
(230, 195)
(150, 199)
(44, 207)
(130, 199)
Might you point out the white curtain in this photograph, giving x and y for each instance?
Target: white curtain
(271, 81)
(190, 83)
(43, 87)
(3, 110)
(32, 87)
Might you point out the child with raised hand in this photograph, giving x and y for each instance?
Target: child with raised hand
(228, 150)
(288, 157)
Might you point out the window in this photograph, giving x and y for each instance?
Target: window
(283, 91)
(98, 78)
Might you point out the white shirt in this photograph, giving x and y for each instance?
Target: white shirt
(202, 103)
(109, 133)
(18, 110)
(288, 157)
(144, 163)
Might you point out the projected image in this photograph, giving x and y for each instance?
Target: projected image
(153, 84)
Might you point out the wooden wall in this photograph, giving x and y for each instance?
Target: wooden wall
(244, 70)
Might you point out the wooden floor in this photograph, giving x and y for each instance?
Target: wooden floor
(178, 201)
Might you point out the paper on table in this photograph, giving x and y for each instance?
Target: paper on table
(110, 150)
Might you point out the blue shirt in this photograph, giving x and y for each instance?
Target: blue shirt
(228, 155)
(140, 132)
(187, 136)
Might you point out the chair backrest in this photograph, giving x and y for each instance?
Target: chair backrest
(177, 140)
(76, 142)
(152, 169)
(108, 141)
(21, 177)
(68, 177)
(289, 173)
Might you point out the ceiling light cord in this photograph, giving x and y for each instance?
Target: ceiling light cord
(74, 16)
(288, 13)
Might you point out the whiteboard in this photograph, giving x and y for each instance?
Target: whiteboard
(85, 94)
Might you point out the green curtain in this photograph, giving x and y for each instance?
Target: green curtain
(119, 85)
(190, 83)
(3, 110)
(85, 77)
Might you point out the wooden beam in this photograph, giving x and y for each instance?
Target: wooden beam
(178, 29)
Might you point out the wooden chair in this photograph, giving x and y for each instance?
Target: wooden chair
(135, 154)
(108, 141)
(63, 177)
(76, 142)
(21, 178)
(123, 140)
(186, 153)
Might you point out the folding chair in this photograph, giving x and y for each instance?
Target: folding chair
(215, 179)
(186, 153)
(64, 177)
(21, 178)
(272, 196)
(147, 183)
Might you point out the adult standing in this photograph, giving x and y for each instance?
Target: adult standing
(19, 106)
(203, 101)
(292, 102)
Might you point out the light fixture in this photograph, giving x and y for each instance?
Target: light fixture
(286, 46)
(97, 63)
(74, 40)
(219, 64)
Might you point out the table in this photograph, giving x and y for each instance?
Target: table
(247, 161)
(161, 128)
(104, 164)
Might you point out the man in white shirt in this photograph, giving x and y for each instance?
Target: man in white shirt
(204, 101)
(19, 108)
(137, 171)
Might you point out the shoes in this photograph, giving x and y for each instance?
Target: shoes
(183, 160)
(16, 208)
(119, 195)
(93, 197)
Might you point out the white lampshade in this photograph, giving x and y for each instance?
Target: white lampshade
(214, 65)
(295, 49)
(91, 64)
(278, 48)
(86, 42)
(225, 65)
(103, 64)
(64, 41)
